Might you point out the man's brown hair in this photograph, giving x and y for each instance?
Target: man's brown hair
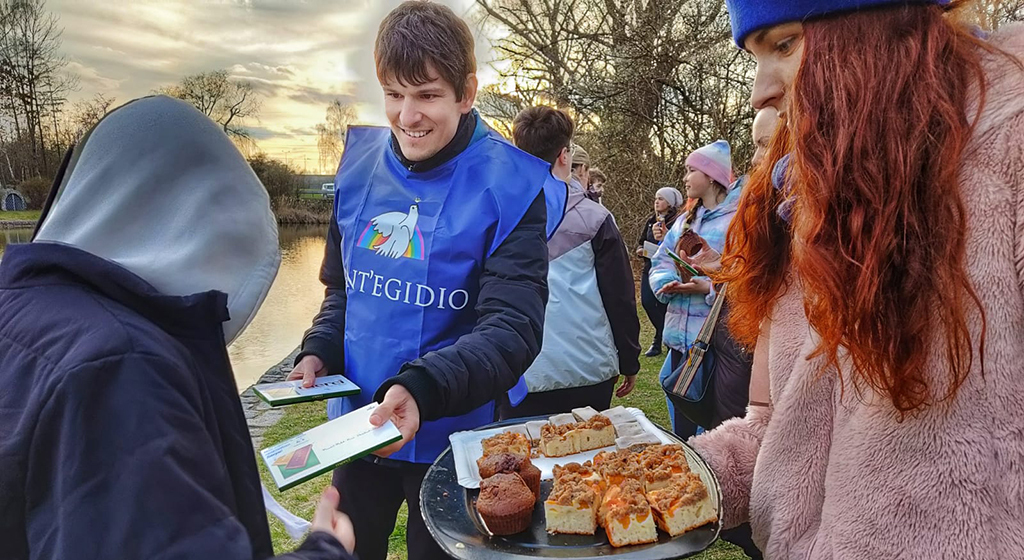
(418, 36)
(543, 131)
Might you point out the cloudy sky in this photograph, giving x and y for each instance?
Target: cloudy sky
(299, 54)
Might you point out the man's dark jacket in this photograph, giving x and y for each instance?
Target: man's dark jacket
(121, 431)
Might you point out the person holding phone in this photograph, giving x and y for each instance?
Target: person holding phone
(667, 203)
(709, 180)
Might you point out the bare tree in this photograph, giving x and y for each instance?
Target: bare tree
(331, 133)
(85, 114)
(991, 14)
(499, 108)
(647, 81)
(227, 101)
(33, 86)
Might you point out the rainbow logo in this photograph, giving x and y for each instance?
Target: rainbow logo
(372, 239)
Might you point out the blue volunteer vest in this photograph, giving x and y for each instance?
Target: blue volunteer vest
(413, 247)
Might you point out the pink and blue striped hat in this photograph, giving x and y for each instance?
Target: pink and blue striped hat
(715, 161)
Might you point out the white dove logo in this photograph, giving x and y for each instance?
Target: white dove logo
(397, 230)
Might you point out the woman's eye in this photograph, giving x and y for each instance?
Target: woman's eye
(784, 45)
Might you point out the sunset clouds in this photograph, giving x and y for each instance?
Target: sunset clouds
(299, 55)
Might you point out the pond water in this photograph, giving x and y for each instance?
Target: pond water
(293, 301)
(13, 236)
(286, 313)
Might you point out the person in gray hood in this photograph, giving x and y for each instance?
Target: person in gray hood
(121, 431)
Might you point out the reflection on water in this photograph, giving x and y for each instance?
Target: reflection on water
(286, 313)
(13, 236)
(289, 308)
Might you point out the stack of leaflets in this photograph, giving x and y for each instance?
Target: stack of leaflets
(326, 446)
(291, 392)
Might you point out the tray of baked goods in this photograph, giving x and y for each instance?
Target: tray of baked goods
(603, 484)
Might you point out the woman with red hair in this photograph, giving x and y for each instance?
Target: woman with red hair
(879, 268)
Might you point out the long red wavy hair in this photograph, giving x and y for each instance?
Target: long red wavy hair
(877, 128)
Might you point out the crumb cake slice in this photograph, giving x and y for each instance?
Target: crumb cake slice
(595, 433)
(559, 441)
(664, 452)
(617, 466)
(682, 505)
(661, 463)
(571, 508)
(587, 474)
(512, 442)
(627, 515)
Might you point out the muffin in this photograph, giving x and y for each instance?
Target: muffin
(505, 504)
(511, 463)
(531, 476)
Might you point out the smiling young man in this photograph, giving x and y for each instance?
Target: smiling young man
(435, 268)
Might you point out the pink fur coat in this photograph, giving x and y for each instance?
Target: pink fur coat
(824, 474)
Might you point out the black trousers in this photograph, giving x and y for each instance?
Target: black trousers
(598, 396)
(655, 309)
(371, 494)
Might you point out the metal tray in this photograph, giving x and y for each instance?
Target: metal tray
(452, 520)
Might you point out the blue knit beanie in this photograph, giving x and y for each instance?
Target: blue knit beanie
(748, 16)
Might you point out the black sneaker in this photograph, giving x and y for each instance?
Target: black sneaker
(654, 350)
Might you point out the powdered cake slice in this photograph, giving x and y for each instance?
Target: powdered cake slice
(619, 415)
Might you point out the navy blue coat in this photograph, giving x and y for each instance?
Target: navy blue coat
(121, 431)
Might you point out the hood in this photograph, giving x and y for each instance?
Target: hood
(732, 199)
(157, 188)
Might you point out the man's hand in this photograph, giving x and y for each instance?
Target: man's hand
(308, 369)
(400, 407)
(696, 285)
(628, 382)
(329, 520)
(639, 251)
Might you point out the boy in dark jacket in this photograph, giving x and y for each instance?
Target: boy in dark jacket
(592, 332)
(121, 431)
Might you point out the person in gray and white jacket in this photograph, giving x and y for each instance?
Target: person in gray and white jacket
(591, 328)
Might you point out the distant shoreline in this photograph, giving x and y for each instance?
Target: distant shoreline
(17, 224)
(290, 220)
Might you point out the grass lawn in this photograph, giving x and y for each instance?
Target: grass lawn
(23, 215)
(302, 499)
